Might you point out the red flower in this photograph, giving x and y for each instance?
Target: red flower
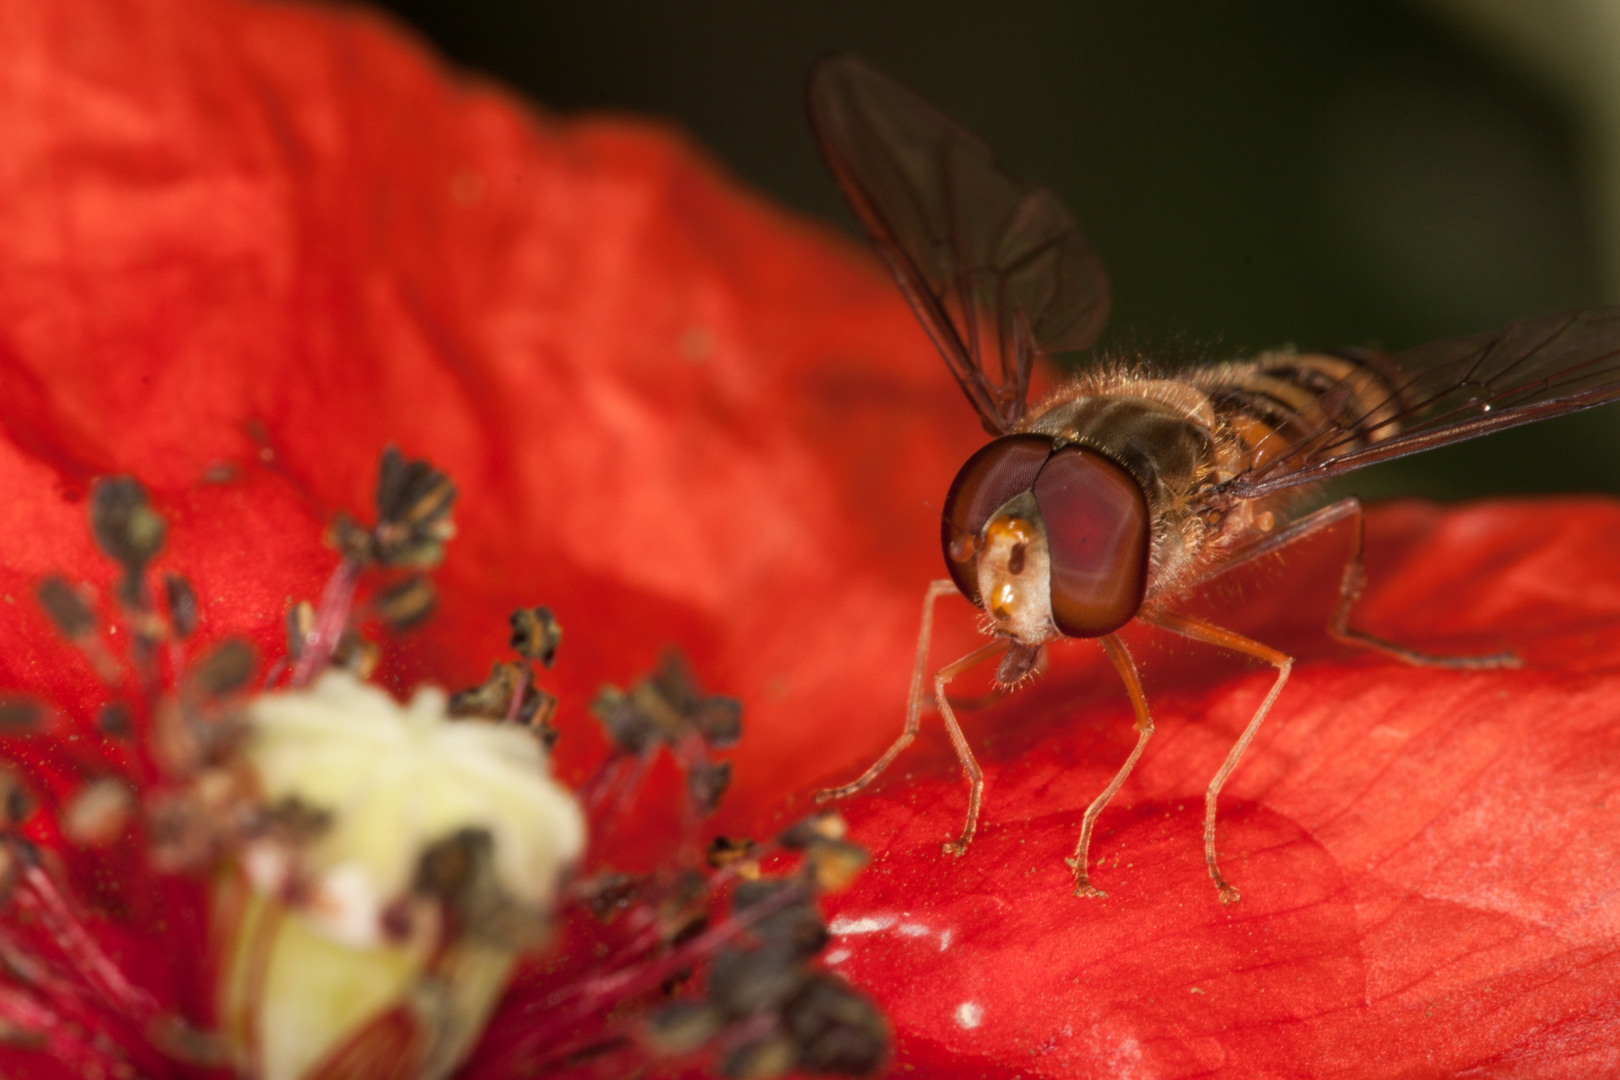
(247, 246)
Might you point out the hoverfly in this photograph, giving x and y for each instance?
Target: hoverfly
(1127, 487)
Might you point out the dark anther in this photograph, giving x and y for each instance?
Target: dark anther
(452, 868)
(609, 895)
(413, 512)
(350, 539)
(682, 923)
(357, 655)
(66, 607)
(822, 825)
(796, 927)
(20, 715)
(681, 1028)
(300, 625)
(746, 982)
(15, 802)
(406, 603)
(540, 717)
(413, 517)
(667, 707)
(629, 728)
(718, 719)
(833, 864)
(835, 1029)
(127, 530)
(758, 1059)
(182, 603)
(830, 860)
(114, 722)
(674, 682)
(225, 669)
(706, 782)
(352, 652)
(724, 851)
(294, 821)
(536, 634)
(493, 700)
(1015, 559)
(459, 872)
(683, 911)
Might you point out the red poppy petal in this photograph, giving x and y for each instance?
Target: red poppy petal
(250, 245)
(277, 238)
(1424, 855)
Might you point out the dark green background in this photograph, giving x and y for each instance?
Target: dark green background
(1254, 172)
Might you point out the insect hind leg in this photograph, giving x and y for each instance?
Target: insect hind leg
(1351, 586)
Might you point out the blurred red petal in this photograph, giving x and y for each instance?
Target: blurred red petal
(278, 238)
(249, 245)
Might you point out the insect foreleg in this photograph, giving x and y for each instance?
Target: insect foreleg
(970, 768)
(936, 589)
(1115, 648)
(1199, 630)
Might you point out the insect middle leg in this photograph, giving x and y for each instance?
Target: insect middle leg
(1198, 630)
(1121, 657)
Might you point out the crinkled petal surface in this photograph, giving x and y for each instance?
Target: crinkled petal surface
(247, 246)
(250, 245)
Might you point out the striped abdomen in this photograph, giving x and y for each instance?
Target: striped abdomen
(1301, 404)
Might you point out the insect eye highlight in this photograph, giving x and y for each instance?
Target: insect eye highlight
(1097, 531)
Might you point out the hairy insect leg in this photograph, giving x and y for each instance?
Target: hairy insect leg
(936, 589)
(1350, 588)
(1198, 630)
(1351, 584)
(1121, 657)
(970, 767)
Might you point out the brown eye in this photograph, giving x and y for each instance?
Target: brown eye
(1096, 520)
(996, 473)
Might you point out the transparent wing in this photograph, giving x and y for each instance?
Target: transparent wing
(1443, 392)
(996, 271)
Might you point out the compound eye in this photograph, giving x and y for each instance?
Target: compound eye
(1097, 531)
(1001, 469)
